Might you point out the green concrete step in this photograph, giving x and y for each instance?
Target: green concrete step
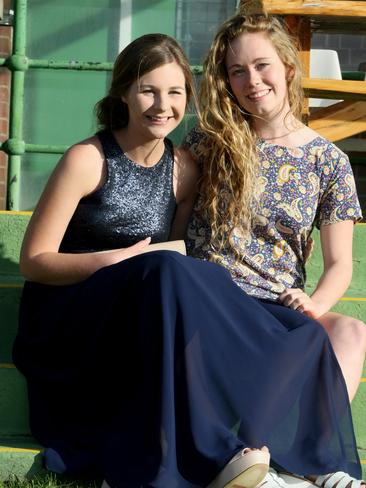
(20, 457)
(26, 462)
(12, 227)
(13, 402)
(9, 304)
(315, 266)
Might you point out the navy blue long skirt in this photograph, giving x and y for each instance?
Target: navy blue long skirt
(155, 371)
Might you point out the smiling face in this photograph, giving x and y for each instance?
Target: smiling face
(257, 75)
(156, 102)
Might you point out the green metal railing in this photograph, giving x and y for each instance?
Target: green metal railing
(18, 64)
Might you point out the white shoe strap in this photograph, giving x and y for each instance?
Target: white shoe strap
(338, 480)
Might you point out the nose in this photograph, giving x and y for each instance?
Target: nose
(253, 77)
(161, 102)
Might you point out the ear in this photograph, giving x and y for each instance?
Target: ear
(290, 73)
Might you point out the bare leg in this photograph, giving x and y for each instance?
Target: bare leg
(348, 338)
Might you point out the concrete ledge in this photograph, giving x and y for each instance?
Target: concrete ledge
(13, 402)
(9, 304)
(20, 457)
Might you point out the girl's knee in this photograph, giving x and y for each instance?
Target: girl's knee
(162, 263)
(354, 331)
(360, 332)
(346, 330)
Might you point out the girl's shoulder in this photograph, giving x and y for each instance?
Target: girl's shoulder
(193, 142)
(185, 162)
(83, 161)
(305, 141)
(312, 139)
(327, 151)
(87, 148)
(193, 137)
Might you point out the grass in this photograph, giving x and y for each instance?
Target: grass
(47, 481)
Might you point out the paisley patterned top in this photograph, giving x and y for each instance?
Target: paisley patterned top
(300, 187)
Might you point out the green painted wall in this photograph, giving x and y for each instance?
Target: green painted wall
(59, 104)
(153, 16)
(12, 227)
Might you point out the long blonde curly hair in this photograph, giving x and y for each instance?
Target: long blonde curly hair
(228, 149)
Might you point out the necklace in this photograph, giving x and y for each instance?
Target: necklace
(295, 129)
(277, 137)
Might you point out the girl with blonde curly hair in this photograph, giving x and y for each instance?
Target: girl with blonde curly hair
(266, 181)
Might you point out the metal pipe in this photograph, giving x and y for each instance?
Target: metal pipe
(45, 148)
(14, 147)
(16, 62)
(17, 103)
(73, 65)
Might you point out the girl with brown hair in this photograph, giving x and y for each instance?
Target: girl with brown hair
(108, 337)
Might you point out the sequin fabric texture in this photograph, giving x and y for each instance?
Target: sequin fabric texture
(299, 188)
(135, 202)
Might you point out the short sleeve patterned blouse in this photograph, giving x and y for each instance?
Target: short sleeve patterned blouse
(299, 188)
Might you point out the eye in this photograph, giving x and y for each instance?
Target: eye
(147, 90)
(176, 92)
(261, 66)
(237, 72)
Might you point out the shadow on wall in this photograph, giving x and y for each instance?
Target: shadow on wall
(97, 15)
(88, 19)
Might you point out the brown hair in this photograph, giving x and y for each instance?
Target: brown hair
(228, 151)
(141, 56)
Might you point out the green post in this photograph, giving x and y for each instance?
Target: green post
(17, 101)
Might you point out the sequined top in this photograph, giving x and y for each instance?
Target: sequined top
(135, 202)
(299, 188)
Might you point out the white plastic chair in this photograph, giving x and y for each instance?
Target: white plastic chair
(324, 64)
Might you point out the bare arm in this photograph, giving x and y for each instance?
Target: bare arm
(79, 172)
(185, 186)
(336, 242)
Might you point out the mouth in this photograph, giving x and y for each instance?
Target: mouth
(158, 120)
(258, 95)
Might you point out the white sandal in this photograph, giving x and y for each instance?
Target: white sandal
(295, 481)
(338, 480)
(273, 479)
(246, 469)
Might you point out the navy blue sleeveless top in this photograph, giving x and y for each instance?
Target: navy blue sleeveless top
(135, 202)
